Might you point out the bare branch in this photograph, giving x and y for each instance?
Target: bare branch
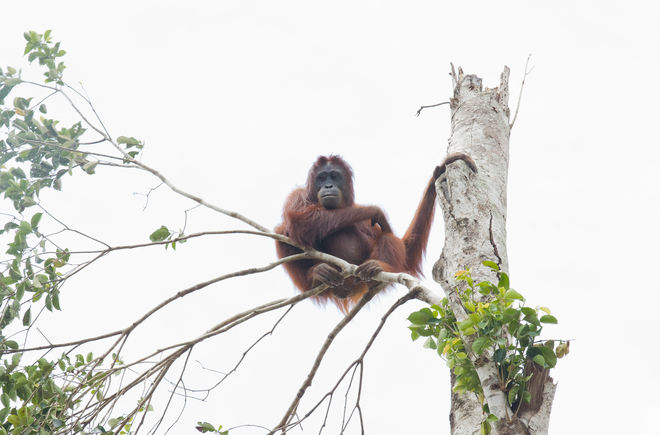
(252, 346)
(126, 157)
(289, 414)
(522, 85)
(429, 106)
(178, 295)
(86, 153)
(359, 362)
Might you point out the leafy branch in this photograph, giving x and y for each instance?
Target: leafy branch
(498, 328)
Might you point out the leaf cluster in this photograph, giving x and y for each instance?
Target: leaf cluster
(41, 48)
(35, 154)
(29, 273)
(40, 398)
(205, 427)
(499, 327)
(40, 151)
(37, 398)
(165, 234)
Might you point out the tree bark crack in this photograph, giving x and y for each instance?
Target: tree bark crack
(492, 240)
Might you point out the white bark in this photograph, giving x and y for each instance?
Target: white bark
(474, 210)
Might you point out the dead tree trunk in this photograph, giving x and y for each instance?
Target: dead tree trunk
(474, 210)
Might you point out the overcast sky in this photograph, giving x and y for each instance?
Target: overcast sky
(235, 99)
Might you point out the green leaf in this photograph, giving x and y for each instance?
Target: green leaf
(14, 420)
(510, 314)
(486, 288)
(56, 300)
(512, 294)
(128, 141)
(538, 359)
(89, 167)
(504, 281)
(549, 356)
(491, 264)
(4, 91)
(3, 416)
(20, 291)
(492, 418)
(25, 227)
(13, 274)
(480, 344)
(421, 317)
(534, 320)
(465, 324)
(499, 355)
(113, 422)
(430, 343)
(5, 400)
(527, 311)
(15, 359)
(204, 427)
(27, 317)
(35, 220)
(548, 319)
(161, 234)
(513, 392)
(425, 332)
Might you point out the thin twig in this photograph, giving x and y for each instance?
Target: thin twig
(66, 227)
(163, 366)
(360, 359)
(91, 106)
(429, 106)
(240, 360)
(522, 85)
(86, 153)
(282, 425)
(167, 301)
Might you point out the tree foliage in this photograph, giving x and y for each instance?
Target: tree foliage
(36, 153)
(500, 328)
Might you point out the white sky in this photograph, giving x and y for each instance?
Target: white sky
(235, 99)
